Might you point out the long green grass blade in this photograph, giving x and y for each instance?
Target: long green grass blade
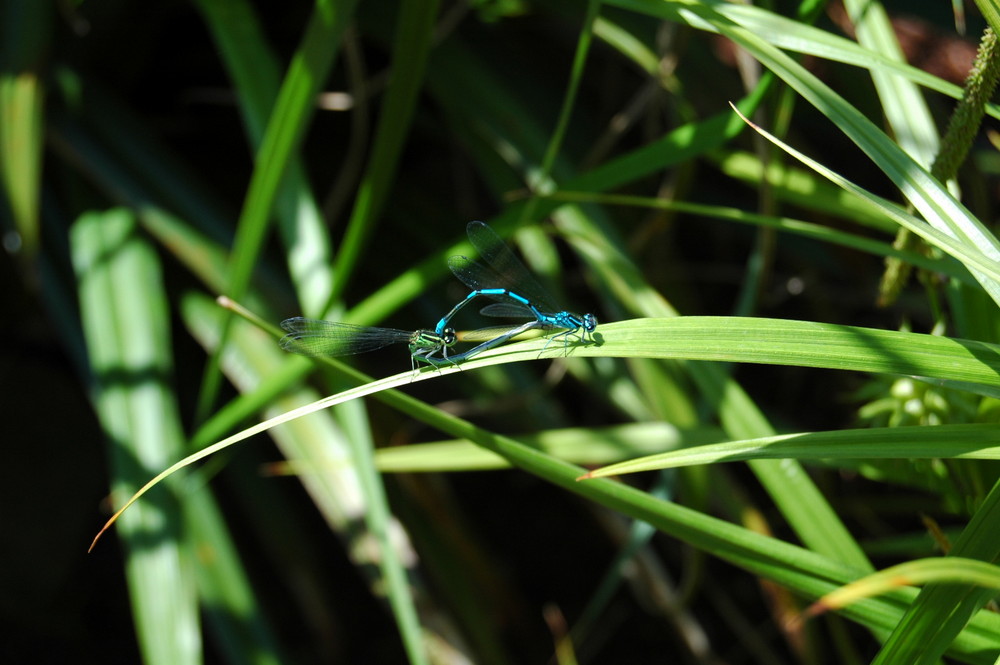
(926, 194)
(414, 33)
(905, 109)
(731, 340)
(575, 445)
(286, 128)
(980, 263)
(791, 35)
(943, 441)
(254, 70)
(798, 227)
(124, 312)
(945, 570)
(24, 32)
(932, 623)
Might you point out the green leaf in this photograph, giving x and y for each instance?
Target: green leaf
(580, 446)
(943, 441)
(414, 32)
(285, 131)
(124, 312)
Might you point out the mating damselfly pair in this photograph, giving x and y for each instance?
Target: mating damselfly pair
(500, 276)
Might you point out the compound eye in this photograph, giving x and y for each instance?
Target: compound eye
(449, 336)
(589, 322)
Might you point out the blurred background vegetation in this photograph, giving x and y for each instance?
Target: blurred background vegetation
(322, 160)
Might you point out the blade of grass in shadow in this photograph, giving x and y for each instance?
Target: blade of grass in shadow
(124, 313)
(286, 127)
(25, 32)
(942, 441)
(806, 572)
(232, 611)
(414, 32)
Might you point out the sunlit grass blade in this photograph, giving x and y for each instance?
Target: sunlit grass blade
(942, 570)
(904, 107)
(792, 35)
(939, 615)
(254, 70)
(286, 128)
(787, 342)
(413, 38)
(805, 189)
(980, 263)
(580, 446)
(943, 441)
(124, 312)
(991, 12)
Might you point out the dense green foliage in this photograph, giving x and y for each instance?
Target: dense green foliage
(731, 189)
